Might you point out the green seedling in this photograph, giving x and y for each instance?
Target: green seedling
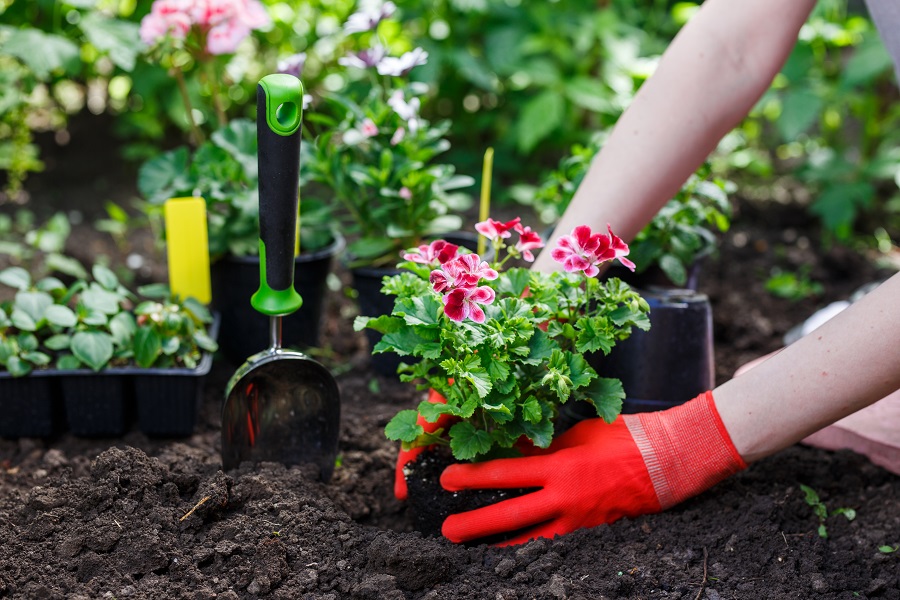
(821, 511)
(793, 286)
(888, 549)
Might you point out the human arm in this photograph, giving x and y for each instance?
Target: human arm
(708, 79)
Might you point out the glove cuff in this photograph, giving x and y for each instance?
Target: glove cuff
(686, 449)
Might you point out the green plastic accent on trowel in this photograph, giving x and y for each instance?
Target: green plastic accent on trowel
(284, 102)
(273, 302)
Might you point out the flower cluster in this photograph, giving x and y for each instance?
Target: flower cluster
(221, 25)
(374, 153)
(505, 346)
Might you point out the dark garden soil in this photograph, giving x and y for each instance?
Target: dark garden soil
(136, 517)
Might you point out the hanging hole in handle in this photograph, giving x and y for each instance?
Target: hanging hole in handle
(286, 114)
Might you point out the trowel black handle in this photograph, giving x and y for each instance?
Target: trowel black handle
(279, 104)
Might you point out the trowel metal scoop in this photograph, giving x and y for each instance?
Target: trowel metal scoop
(280, 405)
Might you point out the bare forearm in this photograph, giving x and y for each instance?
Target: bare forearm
(707, 81)
(846, 364)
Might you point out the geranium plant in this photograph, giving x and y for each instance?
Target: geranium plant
(505, 346)
(375, 156)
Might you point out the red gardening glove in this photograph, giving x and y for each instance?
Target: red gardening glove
(407, 456)
(598, 472)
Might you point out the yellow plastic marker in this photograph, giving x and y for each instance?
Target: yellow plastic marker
(187, 246)
(484, 208)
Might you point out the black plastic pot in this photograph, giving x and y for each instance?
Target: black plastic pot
(665, 366)
(30, 406)
(105, 403)
(367, 282)
(245, 331)
(97, 404)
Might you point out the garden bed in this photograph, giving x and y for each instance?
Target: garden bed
(137, 517)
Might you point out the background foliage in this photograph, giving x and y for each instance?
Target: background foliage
(530, 79)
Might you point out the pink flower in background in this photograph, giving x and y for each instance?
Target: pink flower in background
(583, 250)
(405, 193)
(398, 136)
(167, 17)
(367, 20)
(493, 230)
(398, 66)
(223, 23)
(369, 128)
(461, 303)
(528, 241)
(436, 253)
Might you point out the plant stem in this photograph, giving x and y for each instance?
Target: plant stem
(196, 134)
(216, 99)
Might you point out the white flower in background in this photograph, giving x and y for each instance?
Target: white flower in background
(364, 59)
(398, 136)
(401, 65)
(355, 136)
(307, 100)
(368, 19)
(292, 65)
(408, 111)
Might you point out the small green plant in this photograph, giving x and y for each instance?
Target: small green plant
(94, 324)
(38, 247)
(888, 549)
(374, 157)
(793, 286)
(681, 233)
(505, 348)
(821, 511)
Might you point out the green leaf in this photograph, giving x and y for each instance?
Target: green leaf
(170, 345)
(238, 138)
(673, 268)
(50, 284)
(68, 362)
(18, 367)
(42, 52)
(122, 327)
(147, 347)
(66, 265)
(105, 277)
(540, 116)
(589, 93)
(837, 205)
(112, 36)
(155, 291)
(204, 342)
(431, 411)
(94, 317)
(466, 442)
(98, 299)
(403, 427)
(531, 410)
(63, 316)
(36, 358)
(800, 109)
(93, 348)
(22, 320)
(15, 277)
(34, 304)
(541, 433)
(607, 395)
(58, 342)
(157, 176)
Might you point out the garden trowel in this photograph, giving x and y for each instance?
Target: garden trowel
(280, 405)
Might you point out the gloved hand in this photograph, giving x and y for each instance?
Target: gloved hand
(406, 456)
(598, 472)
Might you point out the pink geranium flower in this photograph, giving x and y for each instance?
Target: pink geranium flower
(223, 23)
(528, 241)
(466, 270)
(462, 303)
(583, 250)
(436, 253)
(493, 230)
(166, 17)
